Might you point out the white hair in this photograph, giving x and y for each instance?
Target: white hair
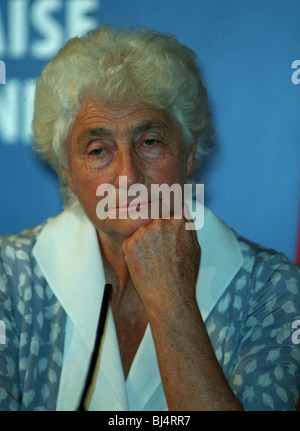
(110, 65)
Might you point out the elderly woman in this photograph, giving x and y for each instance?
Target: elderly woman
(197, 320)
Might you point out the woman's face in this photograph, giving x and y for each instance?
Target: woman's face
(132, 140)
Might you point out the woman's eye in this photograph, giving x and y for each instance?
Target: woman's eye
(150, 148)
(150, 142)
(98, 152)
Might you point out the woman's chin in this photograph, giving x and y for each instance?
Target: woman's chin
(123, 227)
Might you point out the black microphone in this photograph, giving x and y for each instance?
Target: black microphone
(93, 362)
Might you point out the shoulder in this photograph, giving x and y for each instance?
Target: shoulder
(265, 287)
(23, 241)
(19, 272)
(263, 264)
(16, 249)
(268, 285)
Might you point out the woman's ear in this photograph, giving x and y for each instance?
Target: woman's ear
(69, 178)
(191, 159)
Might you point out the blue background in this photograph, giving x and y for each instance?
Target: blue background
(245, 51)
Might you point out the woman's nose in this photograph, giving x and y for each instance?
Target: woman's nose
(128, 165)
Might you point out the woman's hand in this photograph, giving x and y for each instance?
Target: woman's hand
(163, 260)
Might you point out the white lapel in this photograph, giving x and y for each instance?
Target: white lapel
(221, 258)
(69, 257)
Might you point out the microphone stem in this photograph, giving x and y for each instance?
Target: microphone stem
(93, 362)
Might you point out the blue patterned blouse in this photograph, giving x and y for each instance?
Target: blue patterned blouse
(249, 320)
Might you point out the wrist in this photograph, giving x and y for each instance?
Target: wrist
(173, 312)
